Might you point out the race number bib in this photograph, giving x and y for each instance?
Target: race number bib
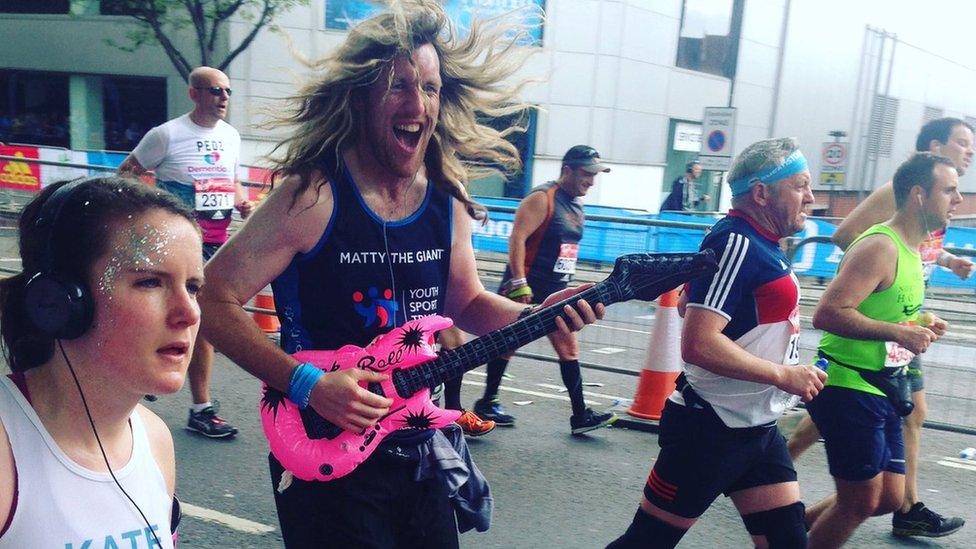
(897, 355)
(213, 198)
(566, 262)
(792, 357)
(929, 250)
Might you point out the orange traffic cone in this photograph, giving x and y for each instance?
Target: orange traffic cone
(663, 362)
(267, 322)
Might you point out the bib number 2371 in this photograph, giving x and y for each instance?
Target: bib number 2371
(213, 198)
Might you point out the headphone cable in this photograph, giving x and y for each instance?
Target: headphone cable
(102, 448)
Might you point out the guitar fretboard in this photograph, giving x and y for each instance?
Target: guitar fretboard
(451, 363)
(642, 276)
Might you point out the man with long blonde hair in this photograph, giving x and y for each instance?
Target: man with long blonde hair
(370, 228)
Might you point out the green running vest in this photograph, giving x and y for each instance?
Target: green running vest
(899, 303)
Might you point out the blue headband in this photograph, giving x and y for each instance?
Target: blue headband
(792, 165)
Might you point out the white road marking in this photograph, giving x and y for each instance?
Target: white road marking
(588, 393)
(608, 350)
(528, 392)
(230, 521)
(957, 463)
(619, 329)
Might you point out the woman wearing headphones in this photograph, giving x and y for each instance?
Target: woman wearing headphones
(103, 313)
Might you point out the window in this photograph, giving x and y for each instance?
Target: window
(709, 36)
(131, 107)
(114, 7)
(34, 108)
(932, 113)
(881, 129)
(34, 6)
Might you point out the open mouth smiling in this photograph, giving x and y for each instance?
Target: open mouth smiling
(408, 135)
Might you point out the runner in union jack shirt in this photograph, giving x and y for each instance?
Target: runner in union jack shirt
(739, 344)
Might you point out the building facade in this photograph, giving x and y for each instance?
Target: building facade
(630, 77)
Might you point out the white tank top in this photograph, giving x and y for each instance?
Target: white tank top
(63, 505)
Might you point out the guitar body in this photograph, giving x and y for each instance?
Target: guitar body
(314, 449)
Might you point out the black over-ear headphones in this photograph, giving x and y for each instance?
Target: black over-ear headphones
(58, 304)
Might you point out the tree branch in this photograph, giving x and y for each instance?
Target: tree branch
(266, 14)
(199, 20)
(219, 16)
(208, 17)
(174, 54)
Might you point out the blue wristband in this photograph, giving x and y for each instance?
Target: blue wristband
(303, 379)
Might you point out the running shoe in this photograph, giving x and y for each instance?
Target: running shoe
(590, 420)
(209, 424)
(922, 521)
(474, 426)
(492, 410)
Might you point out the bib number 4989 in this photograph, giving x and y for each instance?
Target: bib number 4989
(566, 262)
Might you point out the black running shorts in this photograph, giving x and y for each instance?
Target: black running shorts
(701, 458)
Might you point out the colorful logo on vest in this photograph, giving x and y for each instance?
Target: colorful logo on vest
(211, 158)
(376, 311)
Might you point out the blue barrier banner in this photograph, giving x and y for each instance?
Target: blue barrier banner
(603, 241)
(816, 259)
(343, 14)
(955, 237)
(101, 158)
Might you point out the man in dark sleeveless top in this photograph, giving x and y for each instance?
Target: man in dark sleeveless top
(369, 228)
(542, 253)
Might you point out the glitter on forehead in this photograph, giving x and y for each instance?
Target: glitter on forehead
(143, 249)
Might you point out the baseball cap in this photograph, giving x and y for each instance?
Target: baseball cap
(586, 157)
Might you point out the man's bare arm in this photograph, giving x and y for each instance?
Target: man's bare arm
(878, 207)
(867, 267)
(249, 261)
(131, 167)
(528, 217)
(703, 344)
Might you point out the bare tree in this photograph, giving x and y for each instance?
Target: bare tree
(160, 21)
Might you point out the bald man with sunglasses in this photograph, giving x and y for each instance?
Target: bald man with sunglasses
(195, 157)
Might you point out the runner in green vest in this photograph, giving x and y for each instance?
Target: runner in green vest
(953, 139)
(869, 315)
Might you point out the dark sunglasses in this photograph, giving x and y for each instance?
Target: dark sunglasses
(216, 91)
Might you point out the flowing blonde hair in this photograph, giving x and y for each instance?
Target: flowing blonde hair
(473, 73)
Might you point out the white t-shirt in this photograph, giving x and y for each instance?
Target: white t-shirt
(197, 164)
(181, 151)
(59, 503)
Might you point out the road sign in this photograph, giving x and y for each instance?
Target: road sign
(833, 158)
(832, 178)
(687, 137)
(716, 144)
(715, 163)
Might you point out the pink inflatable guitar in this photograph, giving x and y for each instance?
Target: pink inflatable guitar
(312, 448)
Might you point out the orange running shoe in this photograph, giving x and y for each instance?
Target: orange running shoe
(474, 426)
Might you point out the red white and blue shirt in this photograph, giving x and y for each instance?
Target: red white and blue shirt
(756, 290)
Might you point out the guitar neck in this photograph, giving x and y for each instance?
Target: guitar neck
(452, 363)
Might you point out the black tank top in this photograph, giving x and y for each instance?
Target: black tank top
(552, 250)
(365, 276)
